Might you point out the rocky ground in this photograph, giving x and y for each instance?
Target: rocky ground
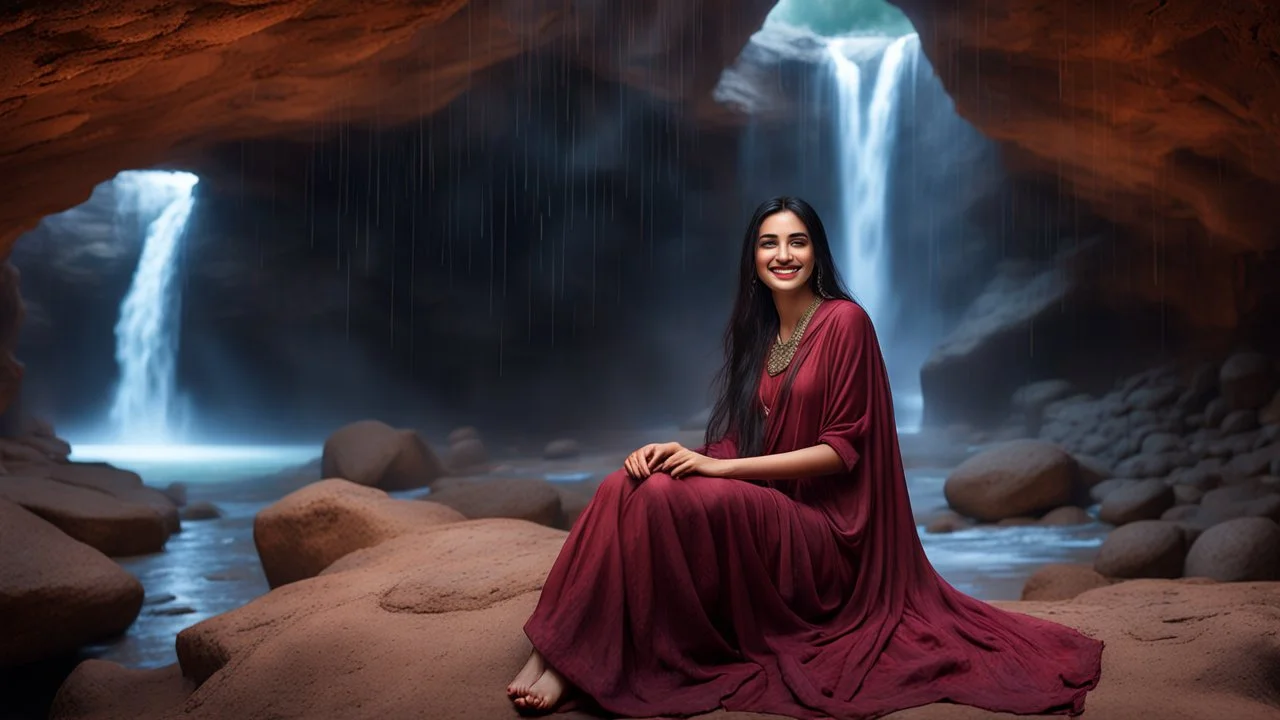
(396, 607)
(62, 523)
(423, 618)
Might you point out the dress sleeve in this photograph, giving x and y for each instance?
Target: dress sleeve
(848, 351)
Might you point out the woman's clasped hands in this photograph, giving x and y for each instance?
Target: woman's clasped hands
(672, 458)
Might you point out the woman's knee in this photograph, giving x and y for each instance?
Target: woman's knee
(661, 493)
(616, 480)
(621, 481)
(647, 496)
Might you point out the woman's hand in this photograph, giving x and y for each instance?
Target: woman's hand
(642, 463)
(684, 462)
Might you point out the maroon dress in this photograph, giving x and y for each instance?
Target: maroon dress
(808, 597)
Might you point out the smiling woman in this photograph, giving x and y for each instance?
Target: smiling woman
(784, 256)
(793, 579)
(843, 17)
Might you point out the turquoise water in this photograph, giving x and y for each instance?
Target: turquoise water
(160, 465)
(840, 17)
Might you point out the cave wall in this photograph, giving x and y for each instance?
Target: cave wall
(1161, 118)
(1140, 138)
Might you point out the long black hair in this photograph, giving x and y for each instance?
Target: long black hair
(755, 323)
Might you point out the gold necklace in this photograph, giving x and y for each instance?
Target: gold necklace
(781, 353)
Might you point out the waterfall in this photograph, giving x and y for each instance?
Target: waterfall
(866, 134)
(144, 408)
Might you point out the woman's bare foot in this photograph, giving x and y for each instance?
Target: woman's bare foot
(528, 675)
(546, 693)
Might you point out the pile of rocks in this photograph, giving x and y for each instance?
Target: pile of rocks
(1186, 466)
(1220, 419)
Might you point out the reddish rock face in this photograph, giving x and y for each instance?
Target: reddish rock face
(88, 91)
(1163, 116)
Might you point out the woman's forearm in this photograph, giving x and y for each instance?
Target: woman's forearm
(820, 459)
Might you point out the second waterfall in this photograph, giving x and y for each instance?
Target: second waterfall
(866, 134)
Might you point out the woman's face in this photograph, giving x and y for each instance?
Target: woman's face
(784, 253)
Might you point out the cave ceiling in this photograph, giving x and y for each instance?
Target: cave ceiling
(91, 88)
(1163, 116)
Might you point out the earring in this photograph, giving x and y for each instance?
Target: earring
(751, 287)
(822, 292)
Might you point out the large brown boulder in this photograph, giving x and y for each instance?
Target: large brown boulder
(467, 455)
(369, 452)
(102, 521)
(304, 532)
(1012, 479)
(56, 594)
